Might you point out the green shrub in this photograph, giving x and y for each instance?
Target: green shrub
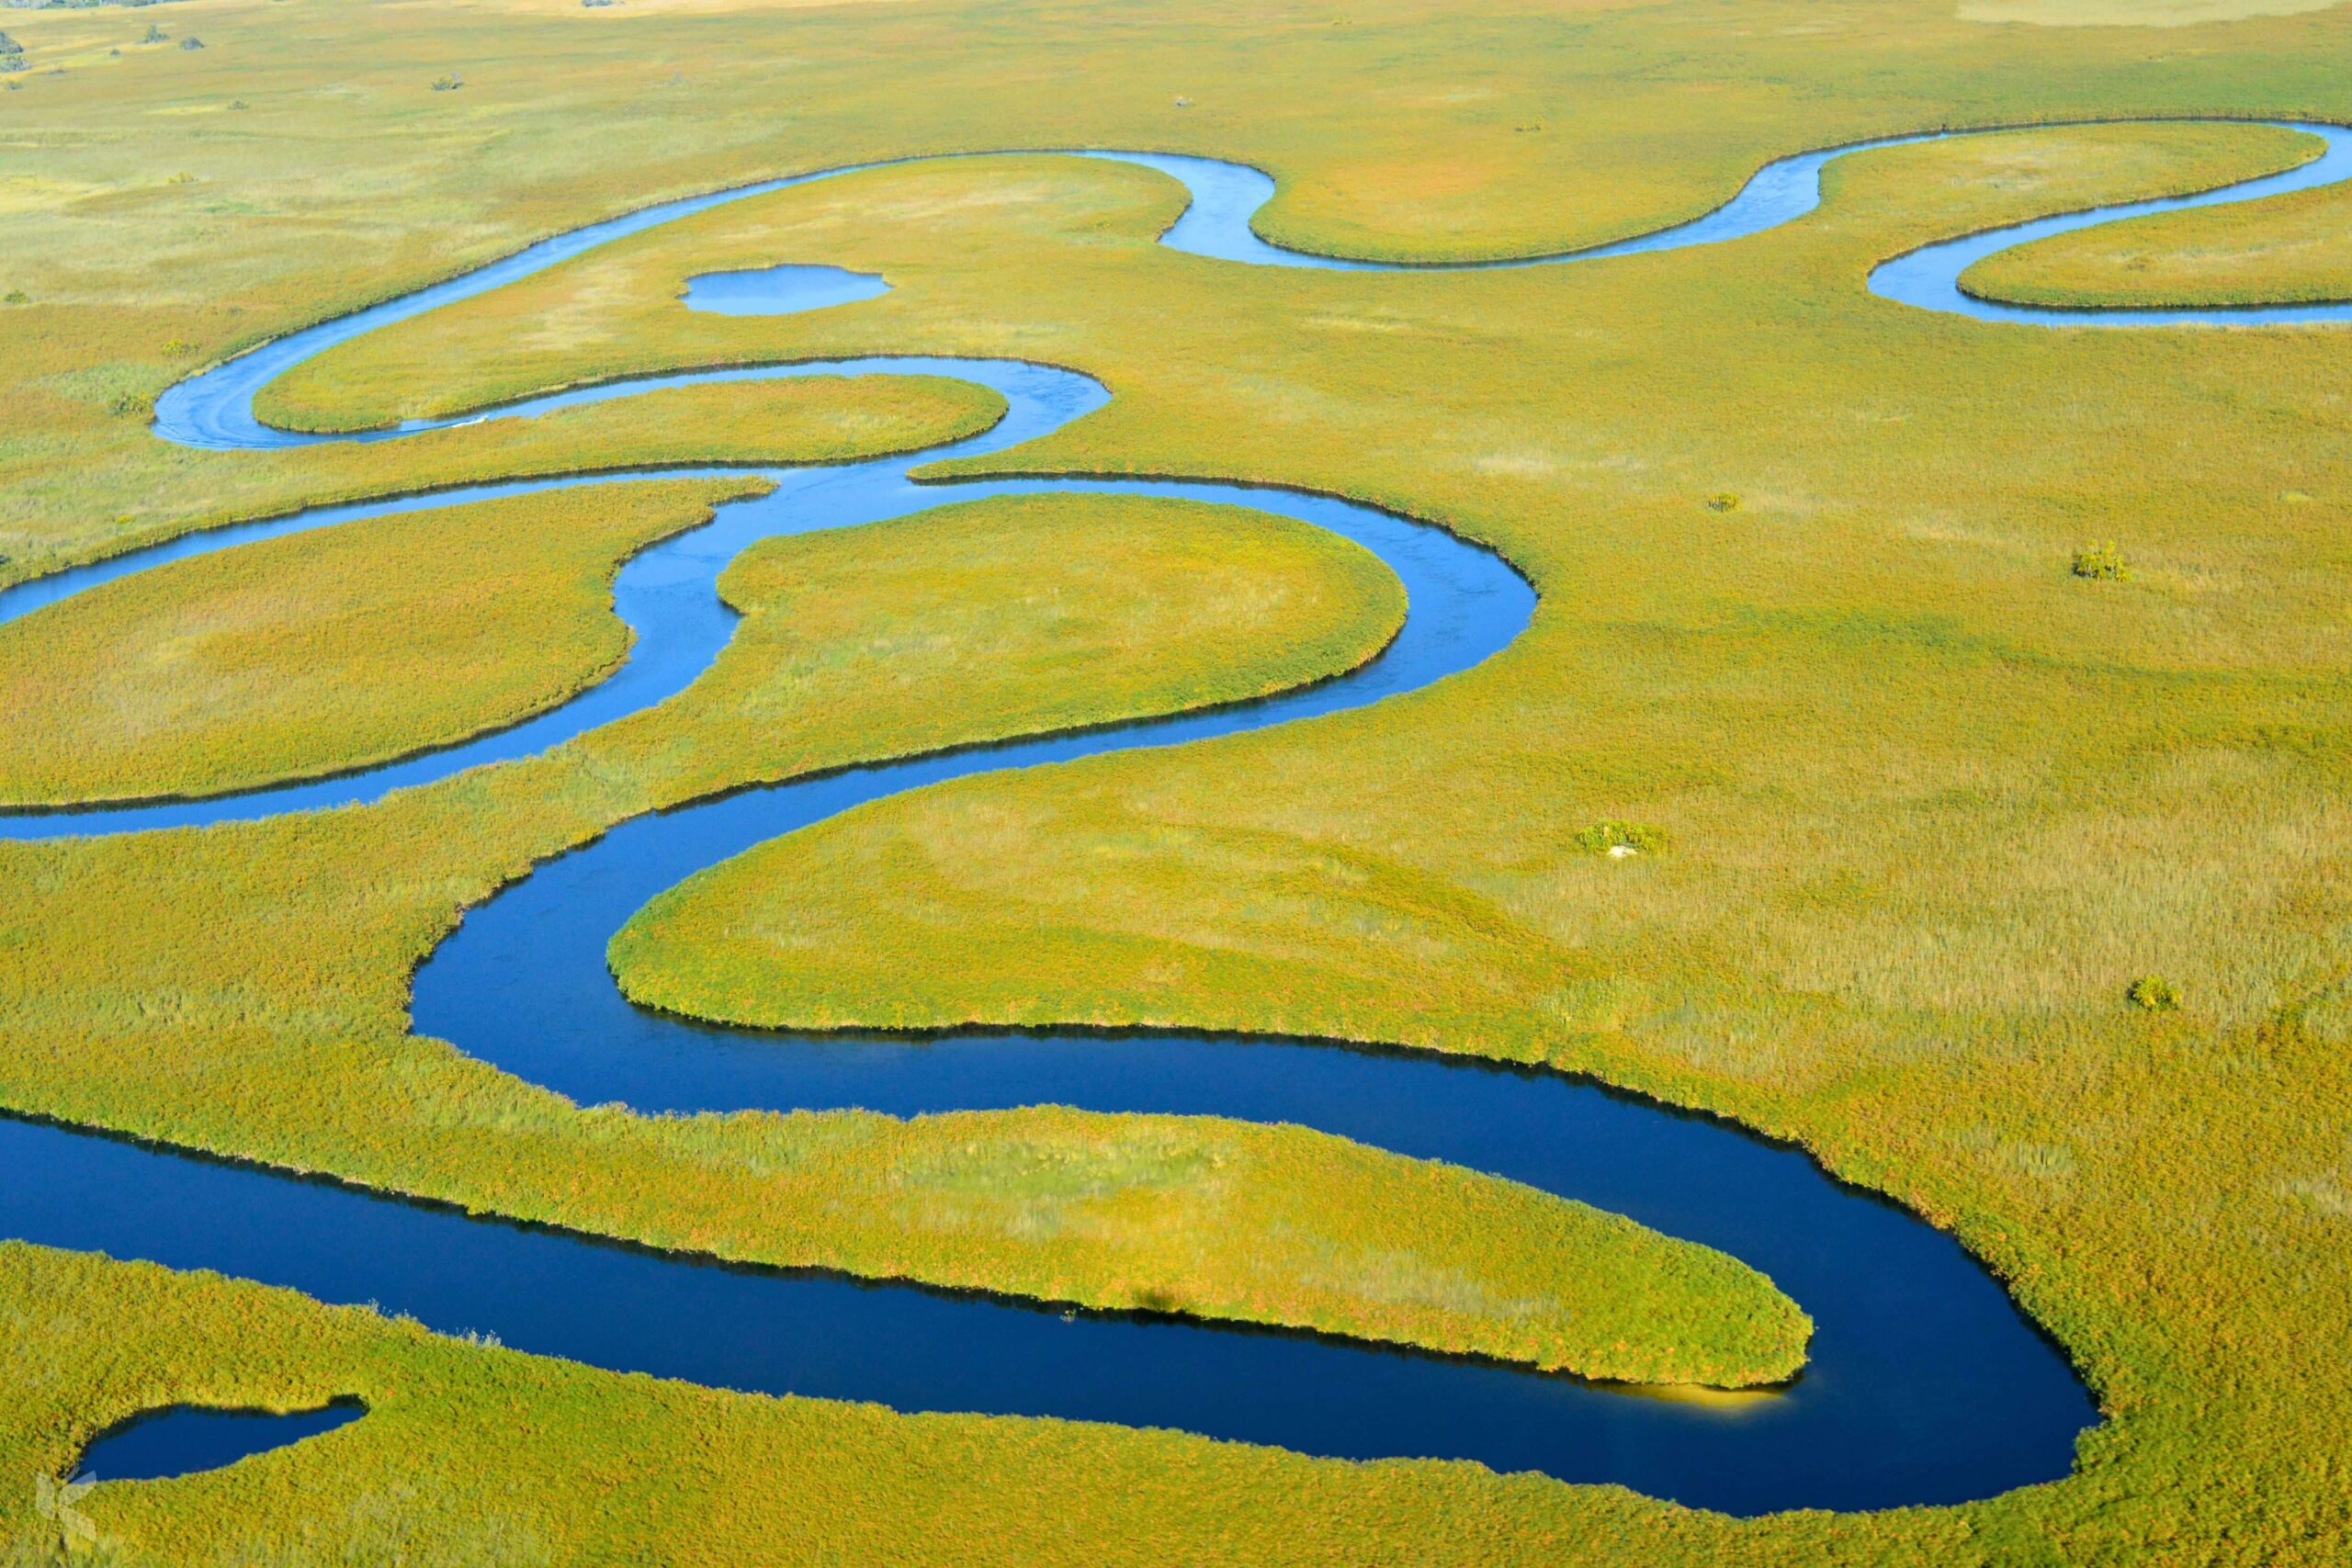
(2155, 993)
(16, 297)
(447, 84)
(1722, 500)
(1612, 837)
(192, 43)
(2101, 563)
(155, 34)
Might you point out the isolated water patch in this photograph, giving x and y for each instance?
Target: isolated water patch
(787, 291)
(181, 1439)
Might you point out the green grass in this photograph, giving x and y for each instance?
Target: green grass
(1413, 874)
(1930, 805)
(848, 638)
(541, 1461)
(1099, 607)
(329, 649)
(815, 419)
(2293, 249)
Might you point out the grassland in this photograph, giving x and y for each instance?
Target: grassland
(1240, 604)
(2290, 250)
(815, 418)
(2132, 13)
(327, 650)
(849, 640)
(566, 1465)
(1932, 803)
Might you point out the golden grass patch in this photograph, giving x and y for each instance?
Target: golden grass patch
(327, 650)
(2294, 248)
(851, 637)
(1931, 803)
(2132, 13)
(563, 1464)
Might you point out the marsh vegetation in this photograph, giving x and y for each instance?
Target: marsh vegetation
(1930, 800)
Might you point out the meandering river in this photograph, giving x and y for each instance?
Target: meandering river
(1925, 1384)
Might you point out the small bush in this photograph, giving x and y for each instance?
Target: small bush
(178, 347)
(1608, 837)
(182, 178)
(447, 84)
(239, 103)
(155, 34)
(16, 297)
(1722, 500)
(9, 45)
(192, 43)
(2154, 993)
(2101, 563)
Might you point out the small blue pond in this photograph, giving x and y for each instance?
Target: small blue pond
(184, 1438)
(780, 290)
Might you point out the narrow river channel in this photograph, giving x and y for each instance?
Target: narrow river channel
(1925, 1384)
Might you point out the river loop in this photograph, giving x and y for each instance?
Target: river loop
(1925, 1385)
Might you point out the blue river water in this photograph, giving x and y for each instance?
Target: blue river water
(1925, 1385)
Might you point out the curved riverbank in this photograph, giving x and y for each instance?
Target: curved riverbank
(1906, 1447)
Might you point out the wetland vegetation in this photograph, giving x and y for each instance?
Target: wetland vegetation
(2290, 250)
(325, 650)
(2015, 896)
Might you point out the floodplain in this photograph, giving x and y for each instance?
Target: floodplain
(1913, 743)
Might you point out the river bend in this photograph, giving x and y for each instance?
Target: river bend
(1925, 1384)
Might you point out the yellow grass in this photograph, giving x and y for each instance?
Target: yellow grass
(814, 419)
(561, 1464)
(1931, 801)
(2132, 13)
(2288, 249)
(327, 650)
(850, 639)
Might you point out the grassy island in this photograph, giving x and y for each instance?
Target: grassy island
(326, 650)
(1915, 819)
(2288, 249)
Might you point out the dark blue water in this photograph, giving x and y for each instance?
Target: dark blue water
(1924, 1386)
(187, 1439)
(1868, 1425)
